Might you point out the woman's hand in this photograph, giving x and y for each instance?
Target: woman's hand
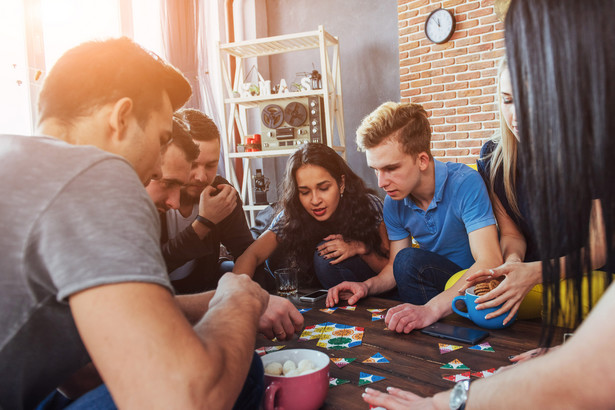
(519, 279)
(336, 249)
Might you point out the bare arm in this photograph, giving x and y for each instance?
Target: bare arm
(148, 354)
(256, 254)
(373, 259)
(512, 241)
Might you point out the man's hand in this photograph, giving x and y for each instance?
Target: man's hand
(350, 291)
(220, 205)
(233, 288)
(407, 317)
(281, 319)
(397, 399)
(337, 249)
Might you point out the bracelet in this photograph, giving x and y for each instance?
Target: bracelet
(205, 222)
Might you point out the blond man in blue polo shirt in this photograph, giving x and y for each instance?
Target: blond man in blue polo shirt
(445, 207)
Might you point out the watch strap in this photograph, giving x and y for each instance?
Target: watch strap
(205, 222)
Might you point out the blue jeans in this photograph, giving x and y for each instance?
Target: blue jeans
(352, 269)
(421, 274)
(99, 398)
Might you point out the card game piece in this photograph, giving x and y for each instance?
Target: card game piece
(366, 378)
(303, 310)
(351, 308)
(313, 332)
(377, 316)
(376, 310)
(261, 351)
(328, 310)
(484, 373)
(334, 381)
(338, 336)
(485, 347)
(376, 408)
(455, 364)
(444, 348)
(457, 377)
(342, 361)
(377, 358)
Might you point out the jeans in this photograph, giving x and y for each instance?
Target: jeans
(421, 274)
(352, 269)
(99, 398)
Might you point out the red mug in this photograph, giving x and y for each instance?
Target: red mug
(302, 392)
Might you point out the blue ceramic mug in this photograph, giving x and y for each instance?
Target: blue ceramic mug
(478, 316)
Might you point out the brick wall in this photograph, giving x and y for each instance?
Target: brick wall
(456, 81)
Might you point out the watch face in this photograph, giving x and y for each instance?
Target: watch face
(440, 25)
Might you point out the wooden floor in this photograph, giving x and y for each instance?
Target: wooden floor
(415, 359)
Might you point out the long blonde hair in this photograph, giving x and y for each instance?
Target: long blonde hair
(504, 156)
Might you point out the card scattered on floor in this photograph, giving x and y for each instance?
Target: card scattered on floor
(328, 310)
(444, 348)
(341, 361)
(303, 310)
(334, 381)
(366, 378)
(484, 373)
(457, 377)
(376, 310)
(351, 308)
(261, 351)
(377, 316)
(336, 336)
(455, 364)
(377, 358)
(485, 347)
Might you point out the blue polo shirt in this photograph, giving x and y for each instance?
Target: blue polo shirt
(460, 205)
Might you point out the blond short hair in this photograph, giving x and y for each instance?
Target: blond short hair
(406, 122)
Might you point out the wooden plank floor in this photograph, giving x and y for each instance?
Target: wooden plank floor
(415, 358)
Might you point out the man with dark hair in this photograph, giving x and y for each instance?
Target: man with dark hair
(444, 207)
(210, 214)
(177, 157)
(79, 283)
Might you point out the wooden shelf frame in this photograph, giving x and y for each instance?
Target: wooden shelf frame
(235, 107)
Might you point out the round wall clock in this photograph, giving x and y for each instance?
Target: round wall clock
(440, 26)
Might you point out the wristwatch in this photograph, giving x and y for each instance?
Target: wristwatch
(459, 395)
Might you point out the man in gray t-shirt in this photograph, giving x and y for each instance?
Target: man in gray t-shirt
(80, 281)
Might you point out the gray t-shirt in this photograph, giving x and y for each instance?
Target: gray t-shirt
(61, 234)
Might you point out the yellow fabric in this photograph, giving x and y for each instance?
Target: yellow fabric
(531, 307)
(473, 166)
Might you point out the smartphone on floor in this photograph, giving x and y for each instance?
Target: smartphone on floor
(457, 333)
(314, 296)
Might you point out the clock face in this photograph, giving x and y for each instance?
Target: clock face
(440, 25)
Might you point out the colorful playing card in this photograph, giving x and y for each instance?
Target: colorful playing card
(342, 361)
(376, 310)
(455, 364)
(377, 316)
(485, 347)
(261, 351)
(366, 378)
(444, 348)
(377, 358)
(351, 308)
(313, 332)
(484, 373)
(338, 336)
(457, 377)
(303, 310)
(334, 381)
(328, 310)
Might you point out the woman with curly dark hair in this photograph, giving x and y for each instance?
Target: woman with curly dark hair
(327, 220)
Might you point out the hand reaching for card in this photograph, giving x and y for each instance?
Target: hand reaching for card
(406, 317)
(280, 320)
(350, 291)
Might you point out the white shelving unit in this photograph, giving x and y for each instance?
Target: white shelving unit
(235, 116)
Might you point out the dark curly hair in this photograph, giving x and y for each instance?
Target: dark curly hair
(354, 217)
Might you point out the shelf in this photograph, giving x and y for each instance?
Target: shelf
(277, 45)
(273, 153)
(254, 101)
